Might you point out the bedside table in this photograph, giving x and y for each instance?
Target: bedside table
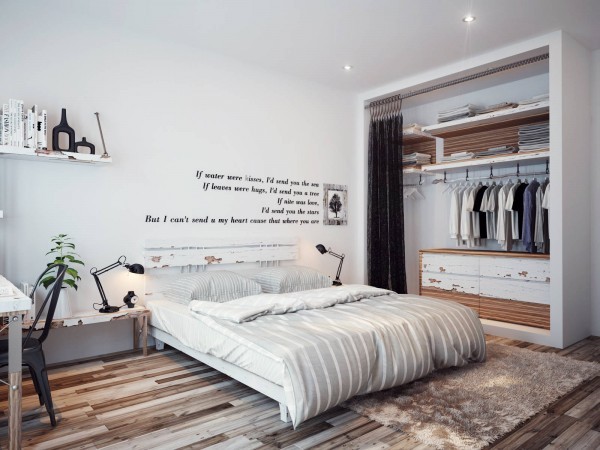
(139, 315)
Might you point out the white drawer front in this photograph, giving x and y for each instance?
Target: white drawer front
(447, 263)
(524, 291)
(451, 282)
(523, 269)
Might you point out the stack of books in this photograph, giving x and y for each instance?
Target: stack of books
(20, 128)
(534, 137)
(416, 159)
(460, 112)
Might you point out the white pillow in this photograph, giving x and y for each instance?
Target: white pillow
(279, 280)
(214, 286)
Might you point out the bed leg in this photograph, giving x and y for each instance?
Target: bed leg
(283, 413)
(160, 345)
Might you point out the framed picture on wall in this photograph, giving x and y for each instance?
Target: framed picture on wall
(335, 204)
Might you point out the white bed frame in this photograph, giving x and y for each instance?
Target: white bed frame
(165, 259)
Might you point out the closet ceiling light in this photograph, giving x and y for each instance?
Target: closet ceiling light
(469, 18)
(348, 67)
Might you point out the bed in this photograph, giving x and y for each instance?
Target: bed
(308, 350)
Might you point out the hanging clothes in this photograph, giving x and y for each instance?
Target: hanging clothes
(466, 226)
(529, 215)
(546, 229)
(481, 216)
(504, 223)
(455, 213)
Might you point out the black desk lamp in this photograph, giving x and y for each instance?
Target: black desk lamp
(341, 257)
(133, 268)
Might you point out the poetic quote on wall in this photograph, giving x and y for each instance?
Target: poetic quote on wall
(279, 200)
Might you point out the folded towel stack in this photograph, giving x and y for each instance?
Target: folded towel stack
(460, 112)
(416, 159)
(494, 151)
(459, 156)
(534, 137)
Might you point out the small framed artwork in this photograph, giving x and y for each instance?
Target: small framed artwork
(335, 204)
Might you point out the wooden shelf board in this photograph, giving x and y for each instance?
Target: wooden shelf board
(23, 153)
(497, 161)
(414, 136)
(490, 118)
(414, 170)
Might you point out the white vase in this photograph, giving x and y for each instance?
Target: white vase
(63, 306)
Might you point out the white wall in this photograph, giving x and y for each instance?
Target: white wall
(166, 112)
(575, 143)
(595, 194)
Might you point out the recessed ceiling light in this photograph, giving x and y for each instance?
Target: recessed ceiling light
(348, 67)
(469, 18)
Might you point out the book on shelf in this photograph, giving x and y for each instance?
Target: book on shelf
(23, 128)
(5, 124)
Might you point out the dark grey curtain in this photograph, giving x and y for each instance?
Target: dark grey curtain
(386, 264)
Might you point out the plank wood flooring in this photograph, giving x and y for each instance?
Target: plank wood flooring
(168, 400)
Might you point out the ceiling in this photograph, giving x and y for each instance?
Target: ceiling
(384, 40)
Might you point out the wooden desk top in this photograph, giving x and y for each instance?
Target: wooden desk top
(91, 317)
(17, 302)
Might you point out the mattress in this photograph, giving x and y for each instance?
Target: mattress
(175, 319)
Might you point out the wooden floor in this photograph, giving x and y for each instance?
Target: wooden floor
(167, 400)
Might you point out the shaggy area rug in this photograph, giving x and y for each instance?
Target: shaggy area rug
(472, 406)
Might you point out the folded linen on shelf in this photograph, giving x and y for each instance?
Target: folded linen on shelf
(411, 127)
(536, 99)
(534, 137)
(416, 159)
(503, 150)
(459, 112)
(458, 156)
(496, 107)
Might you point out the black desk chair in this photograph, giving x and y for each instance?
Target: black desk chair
(33, 354)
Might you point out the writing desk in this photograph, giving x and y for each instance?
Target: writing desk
(13, 306)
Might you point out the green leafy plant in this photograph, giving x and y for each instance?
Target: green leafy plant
(64, 253)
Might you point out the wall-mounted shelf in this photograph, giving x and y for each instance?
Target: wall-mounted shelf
(531, 158)
(498, 117)
(10, 152)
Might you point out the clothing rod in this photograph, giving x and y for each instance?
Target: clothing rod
(393, 98)
(495, 177)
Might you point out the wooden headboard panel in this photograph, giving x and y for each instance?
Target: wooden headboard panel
(188, 253)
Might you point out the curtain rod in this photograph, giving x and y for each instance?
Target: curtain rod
(474, 76)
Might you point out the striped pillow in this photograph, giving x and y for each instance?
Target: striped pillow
(214, 286)
(279, 280)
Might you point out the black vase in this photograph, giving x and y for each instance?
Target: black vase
(85, 143)
(63, 127)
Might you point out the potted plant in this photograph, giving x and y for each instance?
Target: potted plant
(63, 251)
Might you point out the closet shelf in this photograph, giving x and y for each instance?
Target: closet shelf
(414, 136)
(7, 151)
(497, 117)
(531, 158)
(414, 170)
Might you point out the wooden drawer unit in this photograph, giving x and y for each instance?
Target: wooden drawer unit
(507, 287)
(449, 264)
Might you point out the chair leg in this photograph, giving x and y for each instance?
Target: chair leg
(37, 386)
(38, 365)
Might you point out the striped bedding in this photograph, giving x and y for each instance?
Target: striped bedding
(363, 340)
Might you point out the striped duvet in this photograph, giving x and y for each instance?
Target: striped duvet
(340, 342)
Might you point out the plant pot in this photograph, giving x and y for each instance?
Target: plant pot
(63, 306)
